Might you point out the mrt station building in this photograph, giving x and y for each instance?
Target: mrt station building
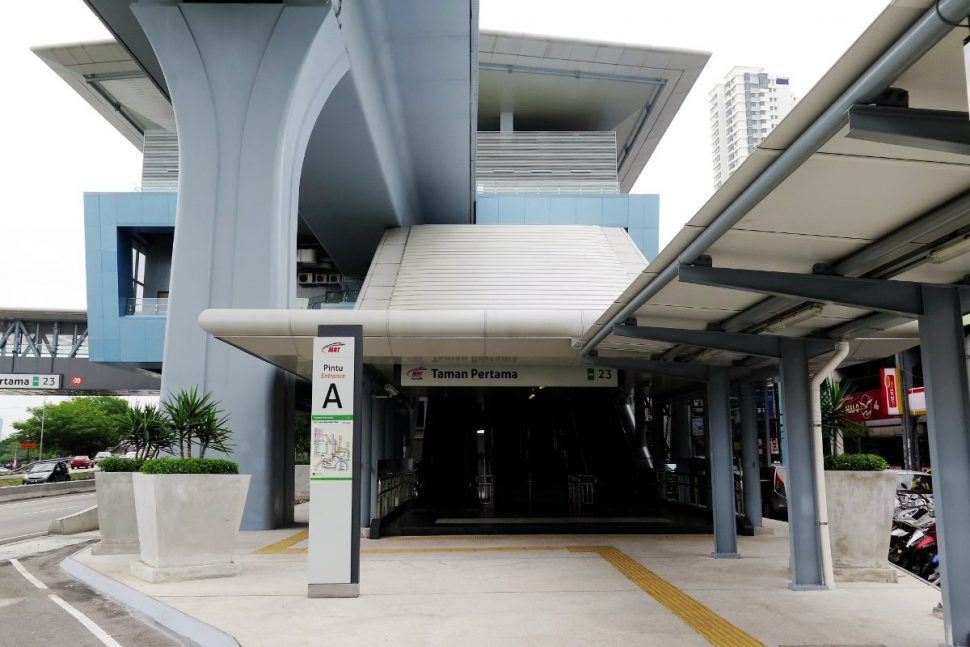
(532, 359)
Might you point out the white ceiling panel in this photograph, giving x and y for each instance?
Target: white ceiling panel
(744, 249)
(849, 197)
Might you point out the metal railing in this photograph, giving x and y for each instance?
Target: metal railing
(393, 491)
(582, 490)
(146, 307)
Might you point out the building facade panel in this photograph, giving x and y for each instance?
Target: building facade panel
(119, 228)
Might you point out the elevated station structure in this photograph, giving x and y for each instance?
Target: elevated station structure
(846, 225)
(363, 118)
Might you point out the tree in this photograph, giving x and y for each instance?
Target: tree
(84, 425)
(146, 429)
(195, 419)
(835, 418)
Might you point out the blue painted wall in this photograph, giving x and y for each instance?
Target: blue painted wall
(109, 218)
(639, 214)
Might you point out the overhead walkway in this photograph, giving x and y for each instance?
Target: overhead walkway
(52, 346)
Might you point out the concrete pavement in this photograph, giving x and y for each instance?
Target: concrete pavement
(23, 519)
(544, 590)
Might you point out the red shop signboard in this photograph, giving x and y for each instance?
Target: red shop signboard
(866, 405)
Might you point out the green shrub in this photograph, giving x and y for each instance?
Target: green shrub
(189, 466)
(856, 462)
(119, 464)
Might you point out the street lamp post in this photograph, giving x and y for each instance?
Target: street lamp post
(43, 418)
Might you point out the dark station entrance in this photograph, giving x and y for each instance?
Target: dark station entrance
(507, 460)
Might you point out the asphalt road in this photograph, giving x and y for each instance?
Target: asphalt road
(33, 616)
(22, 519)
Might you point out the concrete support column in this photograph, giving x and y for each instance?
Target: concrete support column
(680, 439)
(806, 559)
(751, 472)
(948, 422)
(506, 121)
(722, 463)
(247, 83)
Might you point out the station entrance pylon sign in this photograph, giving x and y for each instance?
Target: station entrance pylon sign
(333, 564)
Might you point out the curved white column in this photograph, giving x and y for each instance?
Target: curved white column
(247, 83)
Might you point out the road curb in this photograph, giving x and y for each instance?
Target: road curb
(188, 629)
(23, 492)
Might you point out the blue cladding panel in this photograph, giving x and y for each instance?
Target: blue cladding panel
(638, 214)
(112, 336)
(511, 210)
(536, 209)
(486, 213)
(562, 212)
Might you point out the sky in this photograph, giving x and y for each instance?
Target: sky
(56, 147)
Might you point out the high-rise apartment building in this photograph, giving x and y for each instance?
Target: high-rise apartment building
(744, 107)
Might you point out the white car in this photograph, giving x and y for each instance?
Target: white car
(100, 455)
(131, 454)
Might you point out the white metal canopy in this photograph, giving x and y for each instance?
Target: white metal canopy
(846, 196)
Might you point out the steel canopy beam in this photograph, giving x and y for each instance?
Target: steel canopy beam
(749, 344)
(903, 297)
(939, 130)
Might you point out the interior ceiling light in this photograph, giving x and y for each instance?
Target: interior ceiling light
(794, 317)
(950, 250)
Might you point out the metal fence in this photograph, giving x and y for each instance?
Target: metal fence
(582, 491)
(393, 491)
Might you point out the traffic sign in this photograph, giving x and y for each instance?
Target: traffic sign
(77, 380)
(29, 381)
(28, 445)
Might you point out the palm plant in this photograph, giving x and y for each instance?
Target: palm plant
(196, 419)
(835, 417)
(146, 429)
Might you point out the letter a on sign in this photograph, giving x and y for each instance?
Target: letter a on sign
(332, 397)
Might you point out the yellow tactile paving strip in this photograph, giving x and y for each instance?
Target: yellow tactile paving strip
(285, 546)
(715, 629)
(695, 615)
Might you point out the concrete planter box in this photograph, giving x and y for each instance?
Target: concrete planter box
(861, 506)
(116, 514)
(187, 525)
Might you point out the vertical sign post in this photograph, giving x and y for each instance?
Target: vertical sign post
(335, 430)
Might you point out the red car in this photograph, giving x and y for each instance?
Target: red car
(81, 463)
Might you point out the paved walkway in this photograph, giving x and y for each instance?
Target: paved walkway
(545, 590)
